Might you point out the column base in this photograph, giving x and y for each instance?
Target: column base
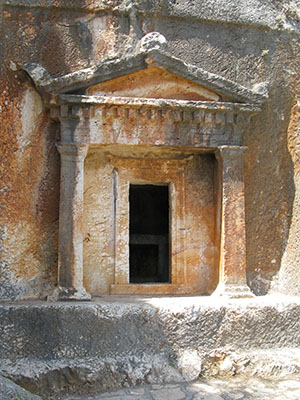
(69, 294)
(233, 291)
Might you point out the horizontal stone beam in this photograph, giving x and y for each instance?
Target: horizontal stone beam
(137, 102)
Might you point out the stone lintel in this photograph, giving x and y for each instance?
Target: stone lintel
(70, 258)
(232, 273)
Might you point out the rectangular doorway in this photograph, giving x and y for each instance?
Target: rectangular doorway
(149, 234)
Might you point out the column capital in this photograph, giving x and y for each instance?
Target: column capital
(72, 150)
(231, 152)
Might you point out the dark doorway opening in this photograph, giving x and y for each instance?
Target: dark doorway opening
(149, 234)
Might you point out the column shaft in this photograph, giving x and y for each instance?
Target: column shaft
(232, 273)
(70, 258)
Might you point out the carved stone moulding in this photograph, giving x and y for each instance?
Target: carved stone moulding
(142, 121)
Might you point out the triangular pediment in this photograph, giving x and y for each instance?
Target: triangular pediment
(151, 73)
(153, 82)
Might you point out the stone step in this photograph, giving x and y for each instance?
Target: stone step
(236, 388)
(116, 341)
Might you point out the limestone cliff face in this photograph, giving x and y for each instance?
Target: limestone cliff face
(249, 42)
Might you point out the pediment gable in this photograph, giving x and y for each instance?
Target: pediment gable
(151, 73)
(156, 83)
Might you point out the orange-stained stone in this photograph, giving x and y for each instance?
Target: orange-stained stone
(194, 253)
(232, 270)
(154, 82)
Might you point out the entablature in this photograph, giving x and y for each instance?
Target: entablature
(143, 121)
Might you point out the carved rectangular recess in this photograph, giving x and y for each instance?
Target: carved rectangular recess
(149, 172)
(149, 234)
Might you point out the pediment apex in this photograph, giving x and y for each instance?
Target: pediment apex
(150, 53)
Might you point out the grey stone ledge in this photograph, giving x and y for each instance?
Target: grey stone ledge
(138, 102)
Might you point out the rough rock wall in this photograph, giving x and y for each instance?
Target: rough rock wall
(247, 41)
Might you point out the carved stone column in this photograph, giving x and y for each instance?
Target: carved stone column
(232, 272)
(70, 258)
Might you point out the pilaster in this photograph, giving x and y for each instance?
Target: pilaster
(232, 272)
(70, 254)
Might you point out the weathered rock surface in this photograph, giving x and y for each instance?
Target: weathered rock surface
(115, 342)
(10, 391)
(236, 388)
